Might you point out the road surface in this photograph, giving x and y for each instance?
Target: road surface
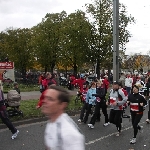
(99, 138)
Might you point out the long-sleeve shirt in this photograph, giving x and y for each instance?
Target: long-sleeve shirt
(89, 97)
(79, 82)
(106, 83)
(119, 97)
(128, 82)
(135, 100)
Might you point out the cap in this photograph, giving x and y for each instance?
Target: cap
(115, 82)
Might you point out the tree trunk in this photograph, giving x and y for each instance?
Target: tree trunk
(75, 70)
(23, 72)
(45, 69)
(66, 71)
(52, 67)
(109, 71)
(98, 69)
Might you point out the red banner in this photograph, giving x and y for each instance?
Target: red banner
(6, 65)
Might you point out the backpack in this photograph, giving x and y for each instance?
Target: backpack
(13, 98)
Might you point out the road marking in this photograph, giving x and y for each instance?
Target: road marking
(109, 135)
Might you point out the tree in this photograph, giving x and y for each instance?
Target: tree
(75, 39)
(46, 40)
(18, 48)
(3, 47)
(136, 62)
(102, 40)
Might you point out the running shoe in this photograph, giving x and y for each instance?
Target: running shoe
(147, 121)
(106, 124)
(133, 141)
(15, 135)
(91, 126)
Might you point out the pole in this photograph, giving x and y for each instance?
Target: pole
(115, 40)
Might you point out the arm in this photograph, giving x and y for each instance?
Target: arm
(124, 98)
(144, 101)
(87, 97)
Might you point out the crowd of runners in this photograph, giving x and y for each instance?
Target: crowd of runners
(129, 91)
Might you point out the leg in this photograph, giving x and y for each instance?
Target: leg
(98, 116)
(117, 119)
(87, 113)
(7, 122)
(112, 116)
(84, 107)
(128, 90)
(104, 110)
(136, 127)
(96, 112)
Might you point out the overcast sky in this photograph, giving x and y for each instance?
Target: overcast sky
(27, 13)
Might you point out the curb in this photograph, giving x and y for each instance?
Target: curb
(34, 120)
(23, 122)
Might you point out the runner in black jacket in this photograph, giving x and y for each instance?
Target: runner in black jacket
(136, 101)
(100, 103)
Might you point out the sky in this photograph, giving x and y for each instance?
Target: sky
(28, 13)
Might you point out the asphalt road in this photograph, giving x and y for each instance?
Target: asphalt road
(99, 138)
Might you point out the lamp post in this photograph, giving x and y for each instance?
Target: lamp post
(115, 40)
(95, 65)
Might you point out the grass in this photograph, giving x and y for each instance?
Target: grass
(29, 110)
(23, 88)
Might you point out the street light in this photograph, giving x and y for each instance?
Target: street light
(115, 40)
(95, 65)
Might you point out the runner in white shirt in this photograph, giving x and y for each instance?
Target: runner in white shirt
(61, 132)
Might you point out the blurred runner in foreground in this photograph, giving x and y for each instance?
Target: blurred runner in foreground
(61, 132)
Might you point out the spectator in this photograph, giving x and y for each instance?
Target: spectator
(122, 80)
(128, 84)
(16, 87)
(47, 80)
(106, 83)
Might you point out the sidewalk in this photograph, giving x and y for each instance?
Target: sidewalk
(36, 94)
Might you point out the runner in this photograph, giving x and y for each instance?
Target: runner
(61, 132)
(100, 103)
(85, 104)
(90, 99)
(136, 101)
(116, 105)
